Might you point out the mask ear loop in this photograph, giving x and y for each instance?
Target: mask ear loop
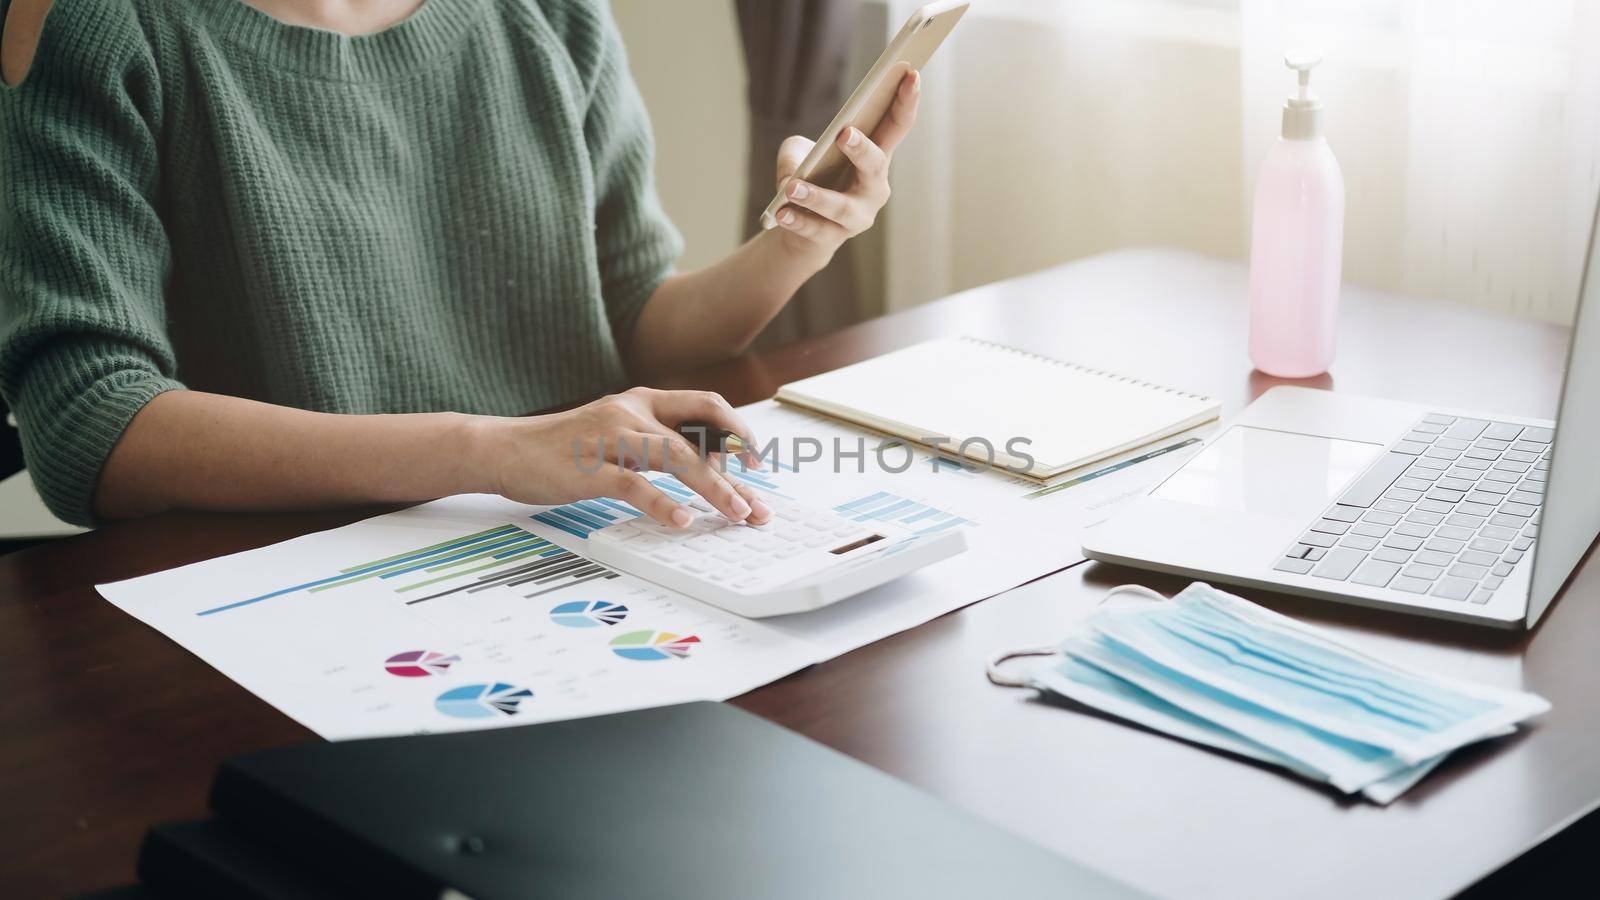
(996, 677)
(1138, 589)
(992, 669)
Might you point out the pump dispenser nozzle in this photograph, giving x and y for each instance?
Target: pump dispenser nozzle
(1302, 114)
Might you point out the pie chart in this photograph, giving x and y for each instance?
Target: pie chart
(482, 701)
(647, 646)
(588, 613)
(420, 663)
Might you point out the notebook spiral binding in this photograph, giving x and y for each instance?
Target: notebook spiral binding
(1085, 369)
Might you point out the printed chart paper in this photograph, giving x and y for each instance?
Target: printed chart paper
(474, 611)
(450, 616)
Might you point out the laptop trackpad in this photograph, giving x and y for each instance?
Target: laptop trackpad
(1269, 473)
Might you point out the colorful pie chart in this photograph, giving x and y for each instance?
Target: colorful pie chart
(420, 663)
(482, 701)
(588, 613)
(648, 646)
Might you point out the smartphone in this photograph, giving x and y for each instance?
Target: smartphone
(827, 166)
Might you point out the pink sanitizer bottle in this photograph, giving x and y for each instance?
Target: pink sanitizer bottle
(1297, 242)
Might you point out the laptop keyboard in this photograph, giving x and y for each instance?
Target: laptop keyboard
(1447, 511)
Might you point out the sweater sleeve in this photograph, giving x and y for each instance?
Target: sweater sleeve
(84, 256)
(636, 242)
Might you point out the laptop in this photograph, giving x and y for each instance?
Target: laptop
(1455, 513)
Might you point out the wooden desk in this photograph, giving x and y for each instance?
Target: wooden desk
(106, 727)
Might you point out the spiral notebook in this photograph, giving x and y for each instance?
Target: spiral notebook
(1041, 416)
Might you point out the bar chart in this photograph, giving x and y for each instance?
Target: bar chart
(585, 517)
(505, 556)
(763, 481)
(882, 506)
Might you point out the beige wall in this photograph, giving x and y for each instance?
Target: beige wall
(685, 56)
(1103, 140)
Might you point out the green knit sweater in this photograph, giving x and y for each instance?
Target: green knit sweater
(453, 214)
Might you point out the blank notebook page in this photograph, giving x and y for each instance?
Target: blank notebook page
(966, 388)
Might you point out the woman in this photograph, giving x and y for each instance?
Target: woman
(274, 254)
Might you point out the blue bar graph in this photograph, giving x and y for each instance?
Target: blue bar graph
(673, 487)
(492, 547)
(585, 517)
(575, 516)
(751, 478)
(883, 506)
(595, 509)
(521, 540)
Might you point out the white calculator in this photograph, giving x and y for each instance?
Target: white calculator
(802, 559)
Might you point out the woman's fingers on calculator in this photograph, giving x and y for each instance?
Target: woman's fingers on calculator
(702, 477)
(760, 512)
(633, 488)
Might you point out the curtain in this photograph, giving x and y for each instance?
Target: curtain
(795, 51)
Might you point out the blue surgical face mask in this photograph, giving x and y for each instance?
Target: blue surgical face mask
(1346, 764)
(1407, 696)
(1268, 669)
(1095, 688)
(1274, 663)
(1218, 670)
